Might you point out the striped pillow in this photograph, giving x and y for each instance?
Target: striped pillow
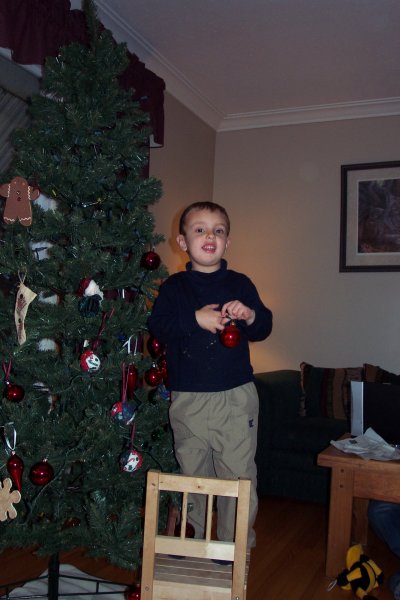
(374, 374)
(326, 391)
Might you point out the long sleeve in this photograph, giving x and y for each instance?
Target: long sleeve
(172, 316)
(262, 325)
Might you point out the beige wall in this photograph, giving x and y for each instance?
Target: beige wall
(185, 165)
(281, 186)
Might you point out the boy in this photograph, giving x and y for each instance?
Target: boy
(214, 403)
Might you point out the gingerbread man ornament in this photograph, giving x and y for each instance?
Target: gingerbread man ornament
(7, 499)
(19, 196)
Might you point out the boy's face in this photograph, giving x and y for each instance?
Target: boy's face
(205, 239)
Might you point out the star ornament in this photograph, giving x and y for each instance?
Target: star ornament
(7, 500)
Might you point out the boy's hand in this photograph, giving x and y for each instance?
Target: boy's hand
(237, 310)
(210, 318)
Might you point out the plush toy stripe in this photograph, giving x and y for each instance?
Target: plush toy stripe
(361, 575)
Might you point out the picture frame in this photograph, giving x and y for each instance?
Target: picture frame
(370, 217)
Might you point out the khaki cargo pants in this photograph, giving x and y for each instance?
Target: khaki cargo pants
(215, 435)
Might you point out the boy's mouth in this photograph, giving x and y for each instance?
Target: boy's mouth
(209, 248)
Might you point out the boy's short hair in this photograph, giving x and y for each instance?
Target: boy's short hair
(211, 206)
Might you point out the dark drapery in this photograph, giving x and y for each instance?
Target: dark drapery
(35, 29)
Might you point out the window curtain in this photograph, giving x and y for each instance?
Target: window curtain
(35, 29)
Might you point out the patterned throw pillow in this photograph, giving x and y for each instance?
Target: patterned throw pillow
(373, 374)
(327, 391)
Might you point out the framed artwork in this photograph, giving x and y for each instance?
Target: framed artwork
(370, 217)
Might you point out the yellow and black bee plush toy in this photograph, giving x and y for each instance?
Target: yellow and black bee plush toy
(361, 574)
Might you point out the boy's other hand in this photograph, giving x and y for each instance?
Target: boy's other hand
(237, 310)
(210, 318)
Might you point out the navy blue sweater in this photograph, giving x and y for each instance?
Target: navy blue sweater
(197, 361)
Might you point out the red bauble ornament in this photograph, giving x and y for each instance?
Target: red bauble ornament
(155, 347)
(230, 336)
(153, 376)
(131, 381)
(15, 466)
(150, 260)
(133, 593)
(13, 392)
(41, 473)
(89, 361)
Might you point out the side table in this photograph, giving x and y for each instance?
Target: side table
(354, 481)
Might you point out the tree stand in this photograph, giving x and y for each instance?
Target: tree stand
(51, 585)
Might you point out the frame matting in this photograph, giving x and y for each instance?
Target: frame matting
(370, 217)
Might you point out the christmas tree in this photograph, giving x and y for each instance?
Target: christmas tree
(84, 412)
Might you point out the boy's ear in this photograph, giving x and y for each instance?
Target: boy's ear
(181, 242)
(228, 241)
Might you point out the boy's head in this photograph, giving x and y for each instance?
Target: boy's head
(211, 206)
(204, 235)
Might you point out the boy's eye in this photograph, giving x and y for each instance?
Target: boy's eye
(220, 231)
(199, 230)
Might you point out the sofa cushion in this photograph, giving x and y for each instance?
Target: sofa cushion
(280, 395)
(374, 374)
(309, 435)
(327, 391)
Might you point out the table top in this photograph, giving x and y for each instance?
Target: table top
(332, 457)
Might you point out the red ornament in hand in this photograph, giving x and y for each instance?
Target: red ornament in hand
(14, 392)
(150, 260)
(153, 376)
(230, 336)
(15, 467)
(41, 473)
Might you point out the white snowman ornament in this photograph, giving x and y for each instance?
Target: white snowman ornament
(130, 461)
(90, 361)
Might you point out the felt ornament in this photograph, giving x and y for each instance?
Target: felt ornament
(88, 287)
(24, 298)
(91, 297)
(361, 574)
(7, 499)
(19, 196)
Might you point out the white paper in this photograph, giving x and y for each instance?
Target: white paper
(370, 446)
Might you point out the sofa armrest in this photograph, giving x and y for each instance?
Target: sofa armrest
(280, 396)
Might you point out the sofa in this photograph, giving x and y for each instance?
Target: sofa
(300, 412)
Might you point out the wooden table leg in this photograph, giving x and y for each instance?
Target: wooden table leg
(359, 528)
(340, 517)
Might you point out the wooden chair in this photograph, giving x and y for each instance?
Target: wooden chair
(180, 568)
